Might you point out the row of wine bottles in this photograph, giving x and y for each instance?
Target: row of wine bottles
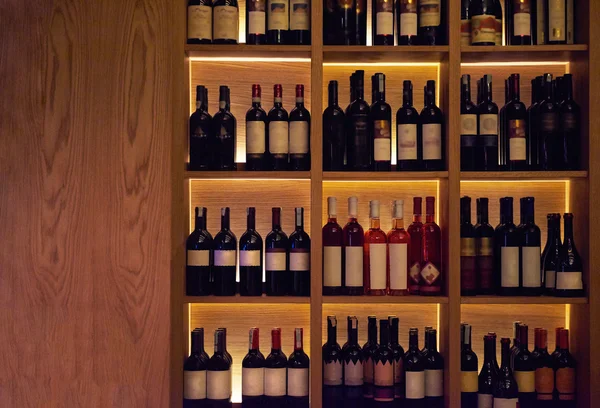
(400, 262)
(276, 380)
(381, 371)
(508, 260)
(545, 136)
(274, 141)
(212, 263)
(360, 138)
(267, 22)
(401, 22)
(524, 379)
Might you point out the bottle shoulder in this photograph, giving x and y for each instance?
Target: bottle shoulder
(251, 237)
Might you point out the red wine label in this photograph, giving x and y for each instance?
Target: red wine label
(298, 137)
(299, 15)
(278, 15)
(465, 32)
(509, 267)
(530, 265)
(485, 401)
(506, 403)
(544, 383)
(354, 266)
(226, 24)
(525, 380)
(408, 18)
(407, 142)
(568, 121)
(483, 29)
(250, 258)
(299, 259)
(429, 13)
(275, 259)
(225, 258)
(255, 137)
(332, 373)
(198, 258)
(430, 273)
(556, 20)
(385, 17)
(353, 373)
(275, 382)
(434, 383)
(565, 383)
(517, 133)
(415, 384)
(469, 381)
(382, 142)
(377, 266)
(297, 382)
(368, 370)
(278, 137)
(550, 279)
(432, 141)
(194, 385)
(569, 280)
(257, 16)
(200, 22)
(253, 382)
(218, 385)
(521, 18)
(468, 277)
(332, 266)
(398, 254)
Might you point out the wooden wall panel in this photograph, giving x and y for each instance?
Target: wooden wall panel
(85, 129)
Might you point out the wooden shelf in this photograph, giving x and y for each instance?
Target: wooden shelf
(248, 52)
(522, 175)
(241, 175)
(518, 53)
(357, 300)
(383, 176)
(237, 299)
(528, 300)
(373, 54)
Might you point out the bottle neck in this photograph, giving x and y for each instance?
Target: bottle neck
(359, 92)
(506, 355)
(541, 340)
(407, 98)
(482, 217)
(220, 341)
(298, 340)
(394, 334)
(548, 90)
(299, 219)
(256, 102)
(197, 342)
(465, 92)
(465, 212)
(417, 218)
(333, 96)
(275, 340)
(431, 340)
(567, 88)
(253, 341)
(276, 219)
(374, 223)
(251, 223)
(331, 333)
(372, 333)
(225, 219)
(486, 91)
(384, 334)
(489, 350)
(413, 341)
(506, 215)
(398, 223)
(352, 335)
(466, 338)
(516, 91)
(568, 228)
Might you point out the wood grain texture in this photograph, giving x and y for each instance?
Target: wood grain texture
(85, 126)
(376, 54)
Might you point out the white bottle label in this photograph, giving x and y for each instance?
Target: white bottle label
(250, 258)
(432, 141)
(506, 402)
(255, 137)
(299, 261)
(517, 149)
(297, 382)
(253, 382)
(382, 149)
(332, 373)
(332, 266)
(354, 266)
(278, 137)
(198, 258)
(569, 280)
(556, 20)
(531, 267)
(415, 384)
(509, 261)
(468, 124)
(488, 124)
(550, 281)
(408, 24)
(398, 254)
(522, 24)
(377, 265)
(226, 22)
(299, 15)
(218, 385)
(278, 15)
(353, 373)
(407, 141)
(275, 261)
(200, 22)
(434, 383)
(298, 137)
(225, 258)
(194, 385)
(275, 382)
(257, 22)
(429, 13)
(385, 23)
(485, 401)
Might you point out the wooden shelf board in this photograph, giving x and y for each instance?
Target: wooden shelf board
(373, 54)
(517, 53)
(237, 299)
(384, 299)
(383, 176)
(529, 300)
(275, 175)
(522, 175)
(234, 51)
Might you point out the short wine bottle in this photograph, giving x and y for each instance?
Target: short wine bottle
(299, 22)
(383, 22)
(201, 134)
(278, 21)
(569, 279)
(256, 22)
(383, 359)
(199, 247)
(225, 258)
(483, 22)
(299, 134)
(297, 376)
(300, 257)
(225, 129)
(226, 21)
(278, 277)
(415, 230)
(544, 370)
(516, 128)
(570, 126)
(398, 357)
(430, 22)
(431, 267)
(333, 241)
(375, 255)
(199, 23)
(486, 146)
(407, 22)
(398, 251)
(381, 122)
(432, 131)
(334, 137)
(465, 23)
(468, 126)
(506, 391)
(358, 134)
(530, 250)
(408, 144)
(253, 372)
(251, 258)
(519, 19)
(256, 136)
(548, 129)
(551, 259)
(276, 372)
(506, 251)
(489, 373)
(278, 137)
(468, 369)
(332, 365)
(524, 371)
(368, 351)
(434, 372)
(352, 357)
(565, 372)
(468, 271)
(556, 21)
(194, 372)
(484, 249)
(352, 261)
(218, 374)
(414, 367)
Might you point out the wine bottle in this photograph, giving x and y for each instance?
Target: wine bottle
(489, 373)
(570, 126)
(256, 22)
(530, 249)
(332, 365)
(253, 372)
(548, 129)
(279, 280)
(465, 23)
(300, 257)
(407, 22)
(201, 134)
(525, 370)
(565, 372)
(199, 247)
(334, 137)
(569, 280)
(431, 267)
(330, 21)
(430, 27)
(425, 348)
(226, 20)
(544, 370)
(556, 21)
(299, 133)
(414, 367)
(383, 22)
(556, 351)
(468, 271)
(194, 372)
(519, 18)
(353, 364)
(398, 250)
(514, 350)
(506, 392)
(409, 146)
(368, 351)
(297, 376)
(532, 123)
(484, 249)
(199, 23)
(398, 358)
(344, 24)
(551, 258)
(483, 22)
(218, 374)
(516, 126)
(383, 359)
(358, 135)
(225, 258)
(486, 146)
(468, 369)
(375, 254)
(256, 137)
(278, 131)
(432, 130)
(468, 126)
(352, 261)
(503, 142)
(415, 230)
(506, 251)
(275, 372)
(278, 22)
(434, 372)
(360, 18)
(299, 22)
(251, 258)
(227, 354)
(381, 120)
(333, 241)
(498, 21)
(225, 128)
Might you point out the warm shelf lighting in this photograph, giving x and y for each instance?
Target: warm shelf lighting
(382, 64)
(513, 63)
(247, 59)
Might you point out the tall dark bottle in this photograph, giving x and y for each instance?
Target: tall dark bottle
(549, 128)
(506, 251)
(299, 133)
(409, 146)
(334, 138)
(483, 22)
(253, 373)
(503, 142)
(468, 271)
(407, 22)
(199, 247)
(251, 258)
(465, 23)
(382, 23)
(194, 372)
(434, 372)
(383, 366)
(544, 370)
(225, 129)
(432, 131)
(524, 371)
(468, 126)
(297, 376)
(360, 17)
(225, 258)
(398, 356)
(565, 366)
(299, 22)
(516, 128)
(333, 242)
(551, 257)
(352, 359)
(570, 127)
(486, 146)
(218, 374)
(256, 22)
(518, 19)
(489, 372)
(276, 372)
(226, 21)
(484, 249)
(332, 365)
(569, 279)
(352, 261)
(468, 369)
(358, 135)
(199, 27)
(368, 351)
(278, 134)
(256, 133)
(381, 122)
(537, 97)
(300, 257)
(531, 281)
(201, 133)
(278, 21)
(414, 368)
(430, 22)
(555, 21)
(342, 26)
(279, 279)
(506, 391)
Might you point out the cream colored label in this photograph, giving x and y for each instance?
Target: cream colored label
(250, 258)
(570, 22)
(299, 261)
(200, 22)
(531, 267)
(550, 279)
(278, 137)
(432, 141)
(194, 385)
(198, 258)
(556, 20)
(384, 374)
(517, 149)
(226, 22)
(488, 124)
(398, 254)
(298, 137)
(297, 382)
(332, 266)
(469, 381)
(255, 137)
(408, 24)
(353, 373)
(257, 22)
(522, 24)
(382, 149)
(332, 373)
(429, 13)
(483, 29)
(434, 383)
(299, 15)
(275, 382)
(485, 401)
(468, 124)
(407, 142)
(525, 380)
(218, 385)
(225, 258)
(415, 384)
(278, 15)
(509, 260)
(569, 280)
(377, 266)
(506, 402)
(354, 266)
(275, 261)
(253, 381)
(430, 273)
(385, 23)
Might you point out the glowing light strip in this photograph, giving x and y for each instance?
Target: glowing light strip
(437, 217)
(512, 64)
(500, 180)
(189, 327)
(383, 181)
(382, 64)
(190, 205)
(567, 207)
(568, 316)
(438, 324)
(248, 179)
(248, 59)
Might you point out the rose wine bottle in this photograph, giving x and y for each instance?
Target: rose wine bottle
(525, 370)
(224, 131)
(530, 250)
(251, 258)
(489, 372)
(278, 277)
(375, 276)
(544, 370)
(408, 143)
(506, 391)
(414, 367)
(569, 281)
(199, 257)
(565, 372)
(434, 372)
(194, 372)
(332, 365)
(333, 240)
(506, 251)
(352, 261)
(201, 134)
(398, 356)
(415, 230)
(218, 374)
(368, 351)
(484, 249)
(278, 134)
(299, 134)
(468, 369)
(276, 372)
(431, 269)
(468, 272)
(383, 359)
(300, 257)
(551, 256)
(297, 376)
(225, 256)
(256, 136)
(352, 357)
(398, 251)
(253, 372)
